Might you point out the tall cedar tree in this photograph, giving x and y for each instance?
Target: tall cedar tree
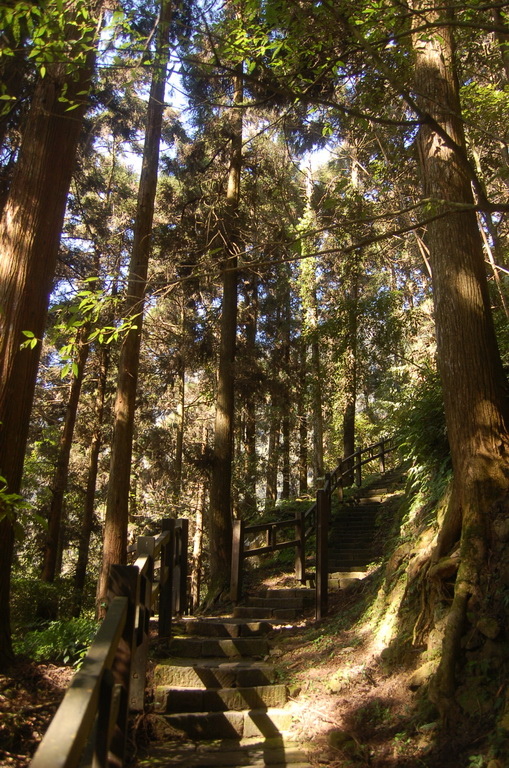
(117, 509)
(474, 385)
(220, 516)
(30, 230)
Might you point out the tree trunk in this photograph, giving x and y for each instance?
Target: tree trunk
(93, 463)
(29, 237)
(303, 421)
(474, 385)
(220, 514)
(60, 475)
(117, 506)
(196, 562)
(272, 459)
(250, 461)
(350, 377)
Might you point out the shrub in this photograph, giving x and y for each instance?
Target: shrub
(423, 437)
(59, 642)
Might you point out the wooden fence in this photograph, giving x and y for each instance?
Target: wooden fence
(90, 726)
(299, 529)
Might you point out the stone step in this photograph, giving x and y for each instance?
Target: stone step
(247, 612)
(297, 603)
(302, 592)
(344, 583)
(229, 647)
(224, 627)
(253, 751)
(179, 699)
(213, 673)
(229, 725)
(338, 554)
(347, 563)
(345, 573)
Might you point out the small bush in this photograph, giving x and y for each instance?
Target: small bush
(423, 438)
(59, 642)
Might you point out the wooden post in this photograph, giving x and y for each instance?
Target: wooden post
(166, 580)
(237, 560)
(322, 559)
(339, 484)
(145, 548)
(123, 580)
(300, 549)
(382, 456)
(358, 468)
(182, 555)
(271, 534)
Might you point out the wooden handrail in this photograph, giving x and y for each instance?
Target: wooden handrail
(90, 726)
(317, 515)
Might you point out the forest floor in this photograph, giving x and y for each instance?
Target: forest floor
(356, 707)
(29, 697)
(352, 705)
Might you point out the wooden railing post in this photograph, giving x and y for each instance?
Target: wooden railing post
(237, 560)
(322, 550)
(271, 536)
(166, 580)
(382, 456)
(123, 581)
(300, 549)
(145, 548)
(182, 526)
(358, 467)
(340, 480)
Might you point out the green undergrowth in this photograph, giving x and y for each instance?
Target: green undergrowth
(59, 642)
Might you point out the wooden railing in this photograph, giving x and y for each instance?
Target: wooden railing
(90, 726)
(314, 520)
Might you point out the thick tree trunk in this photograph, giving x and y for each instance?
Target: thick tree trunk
(29, 237)
(220, 514)
(474, 384)
(117, 506)
(60, 475)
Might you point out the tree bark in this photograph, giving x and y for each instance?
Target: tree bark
(350, 377)
(474, 385)
(117, 506)
(250, 457)
(303, 421)
(272, 458)
(87, 522)
(60, 475)
(29, 237)
(220, 513)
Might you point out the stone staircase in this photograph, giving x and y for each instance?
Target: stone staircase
(353, 540)
(219, 692)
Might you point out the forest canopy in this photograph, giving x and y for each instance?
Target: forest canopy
(238, 240)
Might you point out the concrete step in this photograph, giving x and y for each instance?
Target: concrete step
(247, 612)
(213, 673)
(192, 646)
(181, 699)
(230, 725)
(224, 627)
(308, 595)
(339, 554)
(275, 603)
(253, 751)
